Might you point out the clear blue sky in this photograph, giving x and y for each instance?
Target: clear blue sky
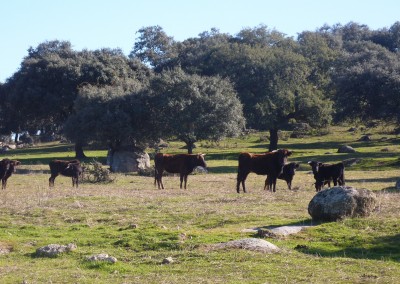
(95, 24)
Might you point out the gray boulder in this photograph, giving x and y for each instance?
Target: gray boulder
(128, 161)
(102, 257)
(339, 202)
(54, 250)
(346, 149)
(253, 244)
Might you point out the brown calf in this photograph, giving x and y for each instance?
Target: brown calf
(183, 164)
(288, 172)
(270, 164)
(7, 168)
(64, 168)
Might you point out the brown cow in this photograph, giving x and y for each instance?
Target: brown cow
(183, 164)
(64, 168)
(270, 164)
(7, 168)
(288, 172)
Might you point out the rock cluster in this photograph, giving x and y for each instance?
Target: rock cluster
(102, 257)
(53, 250)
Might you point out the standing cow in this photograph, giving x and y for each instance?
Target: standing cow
(270, 164)
(7, 168)
(288, 172)
(70, 168)
(183, 164)
(325, 173)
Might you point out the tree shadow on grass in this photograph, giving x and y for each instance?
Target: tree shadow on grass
(222, 170)
(381, 248)
(371, 180)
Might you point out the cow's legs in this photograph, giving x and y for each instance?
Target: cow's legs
(185, 179)
(3, 183)
(272, 184)
(75, 181)
(266, 184)
(181, 179)
(241, 178)
(289, 184)
(158, 178)
(51, 180)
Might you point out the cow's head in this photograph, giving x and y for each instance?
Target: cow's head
(291, 168)
(14, 164)
(315, 166)
(282, 155)
(201, 162)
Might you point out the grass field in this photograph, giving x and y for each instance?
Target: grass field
(140, 225)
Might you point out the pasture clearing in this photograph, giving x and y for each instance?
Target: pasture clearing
(140, 225)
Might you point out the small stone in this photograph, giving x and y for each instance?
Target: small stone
(168, 260)
(102, 257)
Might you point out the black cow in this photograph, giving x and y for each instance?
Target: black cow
(7, 168)
(270, 164)
(325, 173)
(184, 164)
(288, 172)
(70, 168)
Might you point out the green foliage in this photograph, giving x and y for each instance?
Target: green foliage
(94, 172)
(195, 108)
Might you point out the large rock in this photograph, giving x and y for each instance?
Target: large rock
(54, 250)
(346, 149)
(250, 244)
(128, 161)
(340, 202)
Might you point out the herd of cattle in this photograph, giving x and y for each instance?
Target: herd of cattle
(272, 164)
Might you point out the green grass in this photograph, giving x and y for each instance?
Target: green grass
(184, 223)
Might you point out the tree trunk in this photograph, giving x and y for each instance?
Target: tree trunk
(79, 154)
(273, 139)
(190, 146)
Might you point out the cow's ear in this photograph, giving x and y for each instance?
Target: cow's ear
(309, 162)
(202, 155)
(289, 153)
(296, 165)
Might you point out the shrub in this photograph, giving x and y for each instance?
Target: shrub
(96, 173)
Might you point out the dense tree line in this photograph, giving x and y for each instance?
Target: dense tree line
(207, 87)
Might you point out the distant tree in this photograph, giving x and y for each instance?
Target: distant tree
(109, 115)
(269, 73)
(41, 94)
(367, 83)
(321, 50)
(154, 47)
(192, 108)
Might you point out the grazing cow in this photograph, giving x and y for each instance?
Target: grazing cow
(288, 172)
(183, 164)
(325, 173)
(70, 168)
(7, 168)
(270, 164)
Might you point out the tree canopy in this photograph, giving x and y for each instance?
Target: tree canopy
(192, 107)
(206, 87)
